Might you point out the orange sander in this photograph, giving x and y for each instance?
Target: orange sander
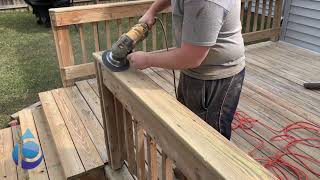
(116, 57)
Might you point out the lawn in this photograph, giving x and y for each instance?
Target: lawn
(27, 62)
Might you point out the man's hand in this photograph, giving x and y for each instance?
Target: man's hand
(148, 18)
(139, 60)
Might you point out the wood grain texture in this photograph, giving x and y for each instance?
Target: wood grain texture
(181, 135)
(78, 71)
(140, 150)
(270, 14)
(248, 23)
(264, 5)
(152, 159)
(50, 154)
(256, 15)
(66, 150)
(16, 134)
(110, 124)
(83, 44)
(88, 153)
(259, 35)
(101, 12)
(8, 170)
(96, 36)
(90, 121)
(129, 142)
(167, 167)
(91, 98)
(27, 123)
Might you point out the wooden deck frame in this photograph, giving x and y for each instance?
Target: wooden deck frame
(62, 18)
(183, 137)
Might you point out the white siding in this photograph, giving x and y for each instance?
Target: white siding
(301, 24)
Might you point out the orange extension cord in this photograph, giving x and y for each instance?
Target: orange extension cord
(276, 163)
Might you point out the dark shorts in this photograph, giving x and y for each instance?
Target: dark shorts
(215, 101)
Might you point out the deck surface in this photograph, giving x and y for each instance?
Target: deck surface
(69, 123)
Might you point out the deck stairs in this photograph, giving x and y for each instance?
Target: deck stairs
(68, 127)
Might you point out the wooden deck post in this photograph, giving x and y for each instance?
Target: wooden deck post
(111, 126)
(64, 51)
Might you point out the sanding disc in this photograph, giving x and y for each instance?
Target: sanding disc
(107, 62)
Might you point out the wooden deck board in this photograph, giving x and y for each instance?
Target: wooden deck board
(53, 165)
(8, 169)
(67, 153)
(90, 121)
(27, 123)
(87, 152)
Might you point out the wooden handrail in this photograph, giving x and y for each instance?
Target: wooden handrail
(99, 12)
(198, 150)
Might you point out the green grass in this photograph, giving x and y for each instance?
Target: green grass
(27, 62)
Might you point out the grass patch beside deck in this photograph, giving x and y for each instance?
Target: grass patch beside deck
(27, 62)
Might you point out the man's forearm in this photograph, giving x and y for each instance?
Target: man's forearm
(174, 59)
(158, 6)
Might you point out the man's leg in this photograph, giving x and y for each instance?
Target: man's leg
(214, 101)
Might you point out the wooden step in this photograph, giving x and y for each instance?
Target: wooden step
(76, 132)
(8, 169)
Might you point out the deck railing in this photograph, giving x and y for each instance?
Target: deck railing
(102, 24)
(152, 132)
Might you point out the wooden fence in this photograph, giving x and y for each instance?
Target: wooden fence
(109, 21)
(7, 5)
(12, 5)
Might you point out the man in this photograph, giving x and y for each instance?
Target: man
(209, 53)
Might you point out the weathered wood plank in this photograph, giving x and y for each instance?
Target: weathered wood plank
(167, 167)
(101, 12)
(50, 155)
(120, 127)
(88, 153)
(96, 36)
(16, 133)
(121, 174)
(83, 45)
(110, 123)
(91, 98)
(152, 159)
(78, 71)
(129, 142)
(90, 121)
(140, 150)
(248, 23)
(8, 170)
(66, 150)
(143, 92)
(27, 123)
(256, 15)
(264, 5)
(94, 85)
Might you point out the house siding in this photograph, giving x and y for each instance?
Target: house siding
(301, 24)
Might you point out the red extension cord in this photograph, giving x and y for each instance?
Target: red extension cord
(276, 163)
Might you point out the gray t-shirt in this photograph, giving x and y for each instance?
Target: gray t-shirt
(214, 23)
